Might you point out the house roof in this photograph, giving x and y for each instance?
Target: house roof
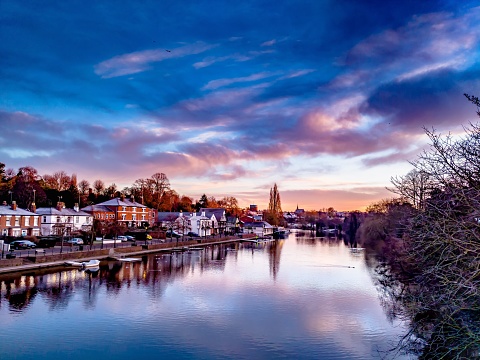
(119, 202)
(258, 224)
(62, 212)
(7, 210)
(97, 208)
(232, 219)
(217, 212)
(167, 215)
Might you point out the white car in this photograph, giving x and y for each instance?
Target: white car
(75, 241)
(122, 238)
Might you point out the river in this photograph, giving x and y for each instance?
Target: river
(297, 298)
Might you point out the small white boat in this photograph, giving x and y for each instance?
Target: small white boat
(73, 263)
(91, 263)
(130, 259)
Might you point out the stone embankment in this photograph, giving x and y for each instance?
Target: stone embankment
(43, 261)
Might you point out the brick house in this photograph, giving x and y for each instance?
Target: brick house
(18, 222)
(126, 212)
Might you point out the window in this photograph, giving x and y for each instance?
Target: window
(123, 217)
(69, 219)
(124, 208)
(134, 209)
(77, 219)
(58, 219)
(143, 217)
(134, 217)
(17, 221)
(27, 220)
(44, 219)
(143, 210)
(7, 221)
(35, 221)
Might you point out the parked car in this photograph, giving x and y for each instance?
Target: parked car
(122, 238)
(130, 238)
(149, 237)
(22, 244)
(75, 241)
(192, 234)
(173, 234)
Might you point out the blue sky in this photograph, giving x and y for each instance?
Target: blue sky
(328, 99)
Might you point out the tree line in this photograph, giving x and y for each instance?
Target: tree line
(429, 240)
(26, 186)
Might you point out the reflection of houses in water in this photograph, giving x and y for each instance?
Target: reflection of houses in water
(58, 285)
(54, 285)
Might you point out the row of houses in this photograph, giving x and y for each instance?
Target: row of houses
(126, 212)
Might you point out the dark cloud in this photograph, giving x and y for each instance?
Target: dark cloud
(433, 100)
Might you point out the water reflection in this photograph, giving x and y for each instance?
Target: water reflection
(302, 297)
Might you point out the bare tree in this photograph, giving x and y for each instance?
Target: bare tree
(438, 259)
(99, 186)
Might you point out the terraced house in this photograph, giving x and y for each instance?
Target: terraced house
(60, 220)
(18, 222)
(125, 212)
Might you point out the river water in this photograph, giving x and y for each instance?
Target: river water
(298, 298)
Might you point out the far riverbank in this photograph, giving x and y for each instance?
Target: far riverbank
(44, 261)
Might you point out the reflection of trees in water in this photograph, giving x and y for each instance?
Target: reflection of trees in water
(274, 252)
(447, 332)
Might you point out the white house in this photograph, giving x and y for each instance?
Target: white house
(259, 228)
(218, 218)
(183, 223)
(63, 221)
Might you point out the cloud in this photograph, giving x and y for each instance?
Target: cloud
(269, 43)
(215, 84)
(139, 61)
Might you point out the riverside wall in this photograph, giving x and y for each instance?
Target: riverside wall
(41, 261)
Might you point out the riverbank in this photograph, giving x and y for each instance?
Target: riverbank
(45, 261)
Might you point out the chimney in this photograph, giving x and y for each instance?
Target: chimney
(60, 206)
(76, 207)
(132, 198)
(33, 207)
(122, 197)
(14, 205)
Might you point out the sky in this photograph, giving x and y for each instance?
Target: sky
(327, 99)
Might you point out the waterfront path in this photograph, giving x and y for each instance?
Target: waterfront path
(45, 261)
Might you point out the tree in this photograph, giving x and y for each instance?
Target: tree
(202, 203)
(274, 213)
(440, 275)
(99, 186)
(160, 184)
(230, 204)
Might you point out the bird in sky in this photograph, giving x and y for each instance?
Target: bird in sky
(168, 50)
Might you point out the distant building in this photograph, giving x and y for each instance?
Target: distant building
(254, 208)
(300, 213)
